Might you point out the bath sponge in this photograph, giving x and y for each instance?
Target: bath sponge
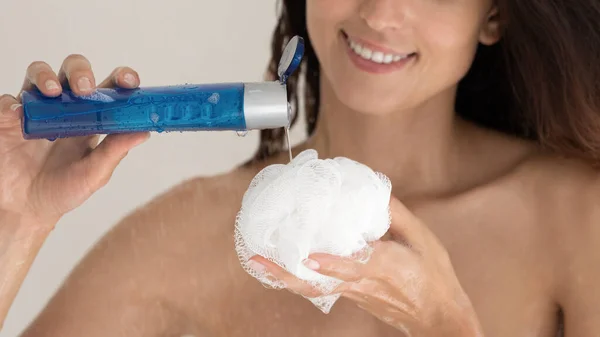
(311, 205)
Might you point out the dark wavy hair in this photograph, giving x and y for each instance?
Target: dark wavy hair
(541, 81)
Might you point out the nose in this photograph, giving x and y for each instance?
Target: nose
(382, 15)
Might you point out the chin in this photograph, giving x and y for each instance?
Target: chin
(370, 106)
(371, 100)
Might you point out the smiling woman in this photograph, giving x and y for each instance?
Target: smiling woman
(512, 80)
(483, 114)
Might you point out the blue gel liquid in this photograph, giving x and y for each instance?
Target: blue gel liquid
(169, 108)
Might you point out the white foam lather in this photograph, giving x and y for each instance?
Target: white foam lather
(332, 206)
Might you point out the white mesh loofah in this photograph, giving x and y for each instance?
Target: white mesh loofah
(333, 206)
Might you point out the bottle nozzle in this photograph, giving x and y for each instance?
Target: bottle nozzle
(291, 58)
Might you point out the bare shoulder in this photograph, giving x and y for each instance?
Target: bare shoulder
(567, 188)
(567, 192)
(567, 202)
(544, 175)
(538, 217)
(144, 277)
(563, 193)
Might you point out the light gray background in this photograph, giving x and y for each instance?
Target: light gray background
(167, 42)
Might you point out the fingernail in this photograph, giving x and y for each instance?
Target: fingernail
(14, 107)
(257, 267)
(84, 84)
(51, 85)
(130, 79)
(312, 264)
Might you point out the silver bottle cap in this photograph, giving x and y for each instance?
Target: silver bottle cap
(266, 103)
(266, 106)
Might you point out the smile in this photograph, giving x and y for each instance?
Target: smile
(375, 56)
(373, 59)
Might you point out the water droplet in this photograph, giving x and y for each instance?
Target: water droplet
(214, 98)
(241, 133)
(154, 117)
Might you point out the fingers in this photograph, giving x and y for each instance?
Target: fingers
(354, 273)
(39, 74)
(76, 73)
(10, 111)
(364, 264)
(345, 269)
(123, 77)
(99, 165)
(292, 283)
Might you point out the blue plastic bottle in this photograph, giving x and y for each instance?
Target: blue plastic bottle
(203, 107)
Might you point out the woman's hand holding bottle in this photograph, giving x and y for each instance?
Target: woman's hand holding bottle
(41, 180)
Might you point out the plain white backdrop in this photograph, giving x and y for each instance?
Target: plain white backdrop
(167, 42)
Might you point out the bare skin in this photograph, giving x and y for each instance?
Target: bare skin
(522, 244)
(518, 225)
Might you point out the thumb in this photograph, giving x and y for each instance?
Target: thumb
(61, 191)
(98, 166)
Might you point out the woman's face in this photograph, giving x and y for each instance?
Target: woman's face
(379, 56)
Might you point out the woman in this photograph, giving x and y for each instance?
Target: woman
(483, 114)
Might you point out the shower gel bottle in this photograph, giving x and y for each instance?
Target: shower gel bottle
(202, 107)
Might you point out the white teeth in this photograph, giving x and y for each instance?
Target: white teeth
(366, 53)
(377, 56)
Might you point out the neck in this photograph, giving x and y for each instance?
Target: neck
(415, 148)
